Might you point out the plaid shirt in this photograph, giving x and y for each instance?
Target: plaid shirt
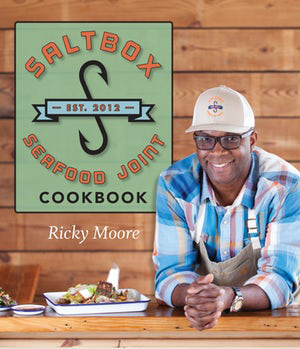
(272, 189)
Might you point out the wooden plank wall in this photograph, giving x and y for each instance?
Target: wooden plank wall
(251, 46)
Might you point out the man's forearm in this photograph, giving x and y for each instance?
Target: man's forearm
(254, 297)
(179, 294)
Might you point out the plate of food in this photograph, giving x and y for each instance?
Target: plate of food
(96, 299)
(6, 302)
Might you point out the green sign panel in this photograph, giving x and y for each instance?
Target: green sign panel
(93, 115)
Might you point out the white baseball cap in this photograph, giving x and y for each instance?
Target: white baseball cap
(222, 109)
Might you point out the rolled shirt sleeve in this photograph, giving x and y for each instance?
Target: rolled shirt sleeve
(174, 254)
(279, 265)
(272, 189)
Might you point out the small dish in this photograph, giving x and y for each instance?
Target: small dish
(28, 309)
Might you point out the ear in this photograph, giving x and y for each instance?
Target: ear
(253, 139)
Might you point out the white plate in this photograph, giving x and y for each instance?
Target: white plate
(68, 309)
(28, 309)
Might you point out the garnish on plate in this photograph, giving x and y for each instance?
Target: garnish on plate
(5, 299)
(103, 292)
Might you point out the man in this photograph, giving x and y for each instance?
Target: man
(228, 218)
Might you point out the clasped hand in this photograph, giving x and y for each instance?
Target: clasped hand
(204, 303)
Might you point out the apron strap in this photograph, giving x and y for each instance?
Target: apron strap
(252, 229)
(200, 221)
(251, 225)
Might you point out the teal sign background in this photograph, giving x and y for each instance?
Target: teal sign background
(126, 140)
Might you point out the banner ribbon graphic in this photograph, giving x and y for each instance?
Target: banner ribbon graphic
(55, 108)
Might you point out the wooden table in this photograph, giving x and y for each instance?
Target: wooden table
(158, 326)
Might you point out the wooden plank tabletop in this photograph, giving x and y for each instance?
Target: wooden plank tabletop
(20, 281)
(156, 321)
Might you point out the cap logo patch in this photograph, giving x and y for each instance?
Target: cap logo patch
(215, 107)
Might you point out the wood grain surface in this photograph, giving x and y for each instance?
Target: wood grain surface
(31, 231)
(270, 94)
(61, 270)
(214, 50)
(282, 139)
(156, 320)
(238, 50)
(20, 281)
(192, 13)
(208, 343)
(7, 106)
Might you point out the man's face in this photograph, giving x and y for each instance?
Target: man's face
(226, 167)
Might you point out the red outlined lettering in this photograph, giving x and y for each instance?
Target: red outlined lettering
(124, 173)
(36, 66)
(72, 176)
(147, 149)
(37, 151)
(59, 166)
(54, 51)
(148, 66)
(99, 177)
(143, 160)
(110, 39)
(86, 174)
(32, 138)
(128, 45)
(48, 160)
(156, 140)
(88, 38)
(134, 166)
(68, 47)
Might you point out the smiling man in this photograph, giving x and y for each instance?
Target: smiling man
(228, 218)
